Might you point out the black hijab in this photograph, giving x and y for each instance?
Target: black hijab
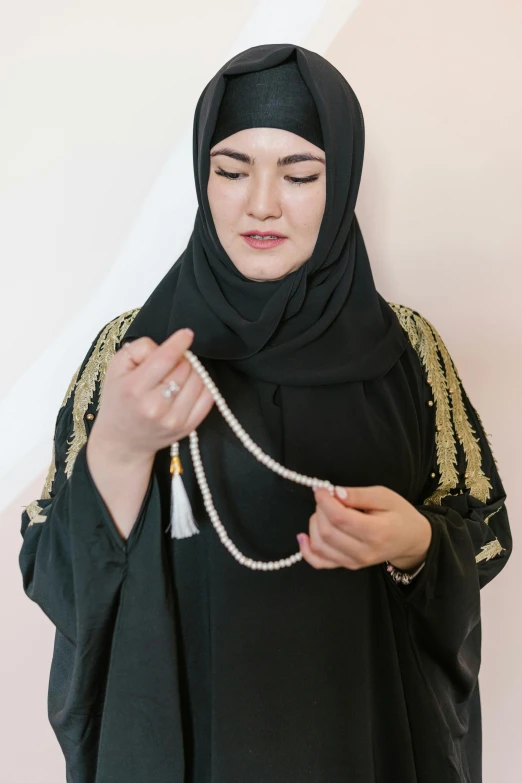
(324, 323)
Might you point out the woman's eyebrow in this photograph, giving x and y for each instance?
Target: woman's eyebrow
(286, 161)
(299, 158)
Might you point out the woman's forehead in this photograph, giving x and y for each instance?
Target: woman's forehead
(251, 144)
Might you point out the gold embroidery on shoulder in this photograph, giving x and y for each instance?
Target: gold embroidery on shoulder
(405, 316)
(34, 512)
(445, 434)
(425, 344)
(93, 372)
(490, 550)
(451, 420)
(104, 349)
(51, 473)
(476, 480)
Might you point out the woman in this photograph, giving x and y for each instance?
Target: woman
(354, 657)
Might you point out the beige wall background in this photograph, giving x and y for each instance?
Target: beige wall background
(97, 201)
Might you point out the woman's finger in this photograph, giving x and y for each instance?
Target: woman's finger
(332, 544)
(349, 520)
(131, 355)
(374, 498)
(201, 409)
(315, 560)
(325, 535)
(184, 401)
(161, 362)
(179, 375)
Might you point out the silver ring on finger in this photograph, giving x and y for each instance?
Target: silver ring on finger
(170, 389)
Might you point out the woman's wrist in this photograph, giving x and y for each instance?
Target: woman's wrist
(103, 449)
(403, 577)
(121, 480)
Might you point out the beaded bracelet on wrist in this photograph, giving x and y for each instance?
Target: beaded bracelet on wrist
(402, 577)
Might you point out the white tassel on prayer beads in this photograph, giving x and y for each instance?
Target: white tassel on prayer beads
(182, 523)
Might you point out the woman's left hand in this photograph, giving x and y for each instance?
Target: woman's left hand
(370, 525)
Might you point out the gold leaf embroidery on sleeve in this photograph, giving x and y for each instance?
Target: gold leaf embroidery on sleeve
(490, 550)
(51, 473)
(450, 418)
(33, 509)
(486, 521)
(94, 372)
(425, 344)
(34, 512)
(479, 484)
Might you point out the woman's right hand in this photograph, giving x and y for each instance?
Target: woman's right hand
(135, 419)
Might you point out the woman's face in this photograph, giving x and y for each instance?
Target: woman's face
(270, 181)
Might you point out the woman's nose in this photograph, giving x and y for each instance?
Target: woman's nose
(263, 201)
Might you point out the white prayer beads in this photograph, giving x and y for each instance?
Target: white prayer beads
(258, 453)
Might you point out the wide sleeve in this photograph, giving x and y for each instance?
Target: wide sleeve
(437, 617)
(113, 696)
(471, 535)
(73, 559)
(463, 497)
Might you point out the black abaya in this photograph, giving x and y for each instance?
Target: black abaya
(174, 663)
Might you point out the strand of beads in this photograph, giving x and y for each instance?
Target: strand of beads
(258, 453)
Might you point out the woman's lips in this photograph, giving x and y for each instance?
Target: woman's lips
(263, 244)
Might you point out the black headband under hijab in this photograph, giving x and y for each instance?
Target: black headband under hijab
(274, 98)
(324, 323)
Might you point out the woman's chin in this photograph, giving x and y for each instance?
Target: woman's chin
(268, 272)
(265, 276)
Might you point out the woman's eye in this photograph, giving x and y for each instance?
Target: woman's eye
(293, 180)
(303, 180)
(227, 174)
